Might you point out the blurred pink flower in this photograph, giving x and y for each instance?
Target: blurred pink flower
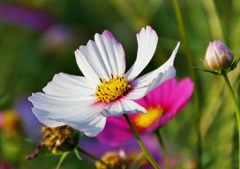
(1, 119)
(57, 37)
(162, 104)
(4, 165)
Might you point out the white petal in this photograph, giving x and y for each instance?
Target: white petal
(43, 118)
(85, 56)
(91, 127)
(89, 120)
(122, 106)
(101, 58)
(170, 61)
(67, 85)
(82, 115)
(61, 105)
(97, 128)
(148, 82)
(112, 53)
(147, 43)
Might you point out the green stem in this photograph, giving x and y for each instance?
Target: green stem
(143, 147)
(235, 103)
(164, 150)
(193, 76)
(93, 157)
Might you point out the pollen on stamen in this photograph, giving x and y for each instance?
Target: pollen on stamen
(112, 89)
(100, 79)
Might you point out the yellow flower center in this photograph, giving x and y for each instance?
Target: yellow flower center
(146, 120)
(112, 89)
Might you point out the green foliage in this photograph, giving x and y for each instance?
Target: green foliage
(29, 60)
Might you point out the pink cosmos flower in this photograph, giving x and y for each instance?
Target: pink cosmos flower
(162, 104)
(106, 90)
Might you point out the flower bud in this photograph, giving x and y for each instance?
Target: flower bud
(218, 56)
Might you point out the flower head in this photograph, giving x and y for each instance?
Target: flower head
(162, 104)
(106, 90)
(63, 138)
(218, 56)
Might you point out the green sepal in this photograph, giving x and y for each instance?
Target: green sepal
(63, 156)
(77, 154)
(207, 70)
(233, 65)
(71, 143)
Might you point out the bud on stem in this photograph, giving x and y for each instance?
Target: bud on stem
(218, 56)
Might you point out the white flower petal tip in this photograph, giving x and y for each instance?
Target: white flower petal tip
(175, 51)
(148, 31)
(108, 34)
(170, 61)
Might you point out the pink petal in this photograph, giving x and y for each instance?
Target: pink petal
(116, 131)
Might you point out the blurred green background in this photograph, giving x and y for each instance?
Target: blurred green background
(38, 39)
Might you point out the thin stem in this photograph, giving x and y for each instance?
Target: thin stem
(193, 76)
(93, 157)
(235, 103)
(143, 147)
(164, 150)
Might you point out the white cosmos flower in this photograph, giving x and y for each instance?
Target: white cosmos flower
(105, 90)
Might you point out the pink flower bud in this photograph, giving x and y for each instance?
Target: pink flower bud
(218, 56)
